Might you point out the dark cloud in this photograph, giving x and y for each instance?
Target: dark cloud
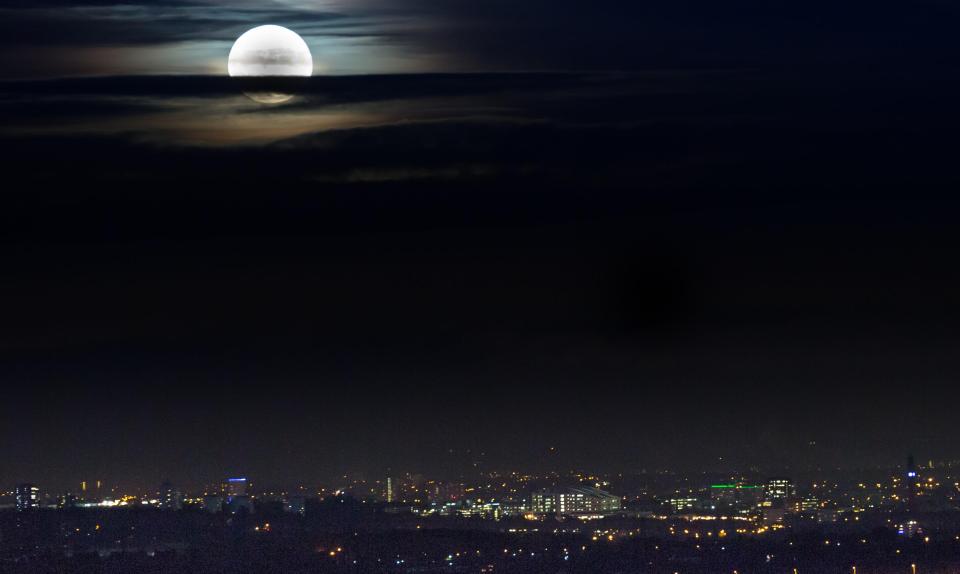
(110, 24)
(534, 34)
(720, 120)
(52, 39)
(337, 89)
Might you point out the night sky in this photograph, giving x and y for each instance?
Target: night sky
(688, 235)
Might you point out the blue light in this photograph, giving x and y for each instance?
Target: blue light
(236, 480)
(911, 474)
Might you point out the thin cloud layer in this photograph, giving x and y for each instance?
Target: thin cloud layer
(49, 39)
(53, 37)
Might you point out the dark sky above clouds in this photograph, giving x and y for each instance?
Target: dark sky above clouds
(725, 231)
(55, 37)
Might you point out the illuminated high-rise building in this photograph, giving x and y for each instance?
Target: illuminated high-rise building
(737, 494)
(391, 491)
(170, 498)
(911, 473)
(683, 504)
(581, 500)
(778, 489)
(235, 487)
(912, 480)
(27, 497)
(809, 503)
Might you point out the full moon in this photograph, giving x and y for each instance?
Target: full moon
(270, 51)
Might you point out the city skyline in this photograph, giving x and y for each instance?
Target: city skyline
(380, 480)
(394, 486)
(888, 522)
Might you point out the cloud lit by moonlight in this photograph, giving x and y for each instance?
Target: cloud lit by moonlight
(270, 51)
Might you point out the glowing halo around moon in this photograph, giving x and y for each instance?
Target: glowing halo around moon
(270, 52)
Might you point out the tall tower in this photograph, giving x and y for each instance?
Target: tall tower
(391, 489)
(912, 479)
